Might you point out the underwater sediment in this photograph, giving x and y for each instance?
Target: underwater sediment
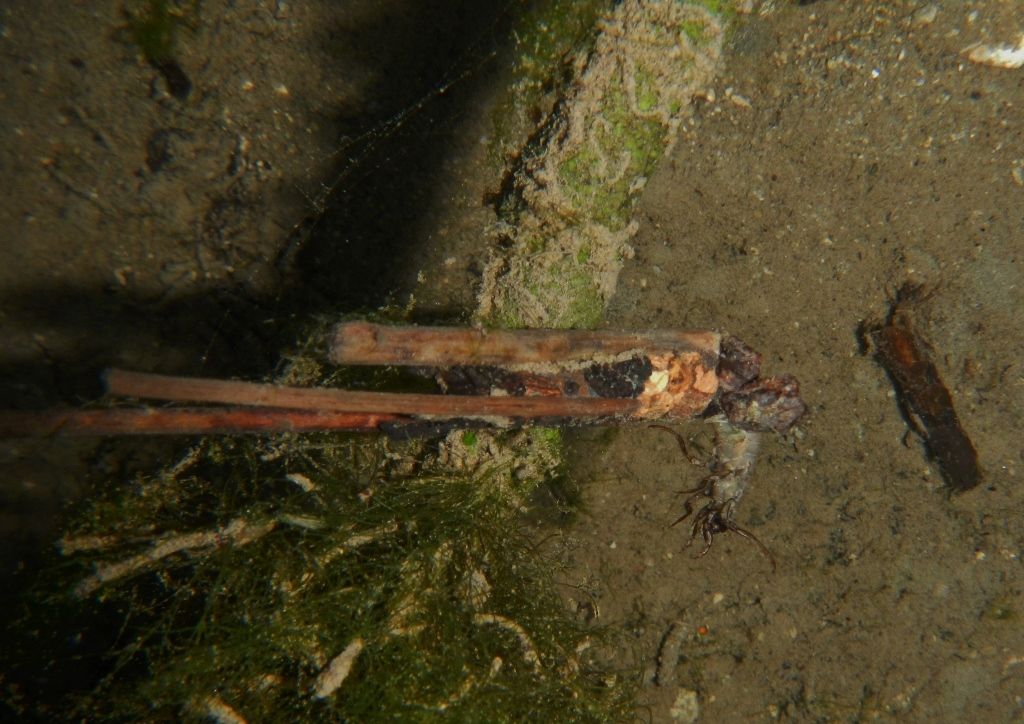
(349, 578)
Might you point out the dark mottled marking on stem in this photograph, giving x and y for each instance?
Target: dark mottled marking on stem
(771, 404)
(619, 379)
(465, 380)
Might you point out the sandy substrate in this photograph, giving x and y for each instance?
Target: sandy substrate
(845, 149)
(850, 148)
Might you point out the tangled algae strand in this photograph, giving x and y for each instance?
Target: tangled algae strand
(325, 578)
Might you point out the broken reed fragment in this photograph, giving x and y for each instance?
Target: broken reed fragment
(122, 383)
(364, 343)
(671, 374)
(334, 675)
(238, 532)
(500, 378)
(923, 396)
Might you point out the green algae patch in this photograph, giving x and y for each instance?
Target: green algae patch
(565, 224)
(323, 578)
(154, 27)
(317, 577)
(548, 40)
(567, 287)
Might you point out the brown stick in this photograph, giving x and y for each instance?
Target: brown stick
(362, 343)
(182, 421)
(184, 389)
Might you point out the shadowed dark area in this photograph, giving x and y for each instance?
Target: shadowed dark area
(429, 60)
(357, 250)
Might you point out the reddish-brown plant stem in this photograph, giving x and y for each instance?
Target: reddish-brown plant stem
(183, 421)
(122, 383)
(363, 343)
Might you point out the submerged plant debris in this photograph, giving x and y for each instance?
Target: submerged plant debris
(336, 578)
(316, 578)
(923, 396)
(566, 219)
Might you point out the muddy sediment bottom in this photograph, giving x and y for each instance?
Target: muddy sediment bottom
(849, 148)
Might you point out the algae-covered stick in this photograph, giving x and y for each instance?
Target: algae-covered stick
(566, 222)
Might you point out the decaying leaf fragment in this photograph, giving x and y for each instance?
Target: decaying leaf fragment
(926, 402)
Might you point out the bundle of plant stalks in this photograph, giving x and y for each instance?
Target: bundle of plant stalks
(310, 578)
(327, 577)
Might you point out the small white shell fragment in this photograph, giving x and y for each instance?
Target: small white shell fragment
(307, 485)
(221, 712)
(337, 671)
(1017, 174)
(926, 15)
(740, 101)
(686, 707)
(999, 56)
(658, 381)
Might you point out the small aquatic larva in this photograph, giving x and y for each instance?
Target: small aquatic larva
(731, 468)
(747, 406)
